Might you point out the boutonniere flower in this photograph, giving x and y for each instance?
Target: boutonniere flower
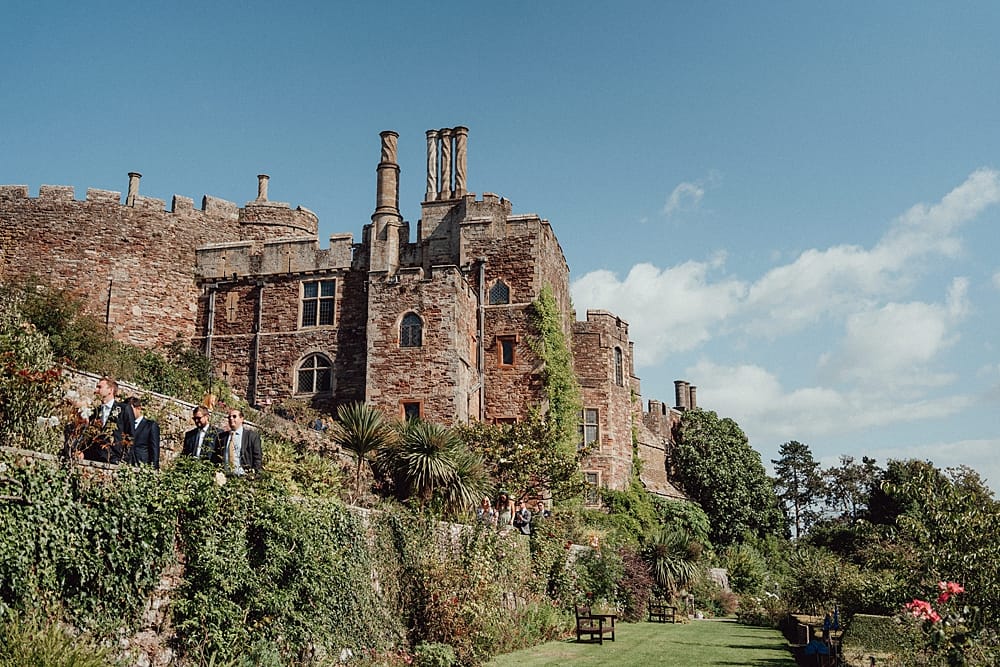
(115, 411)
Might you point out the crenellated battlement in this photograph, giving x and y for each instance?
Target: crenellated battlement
(260, 218)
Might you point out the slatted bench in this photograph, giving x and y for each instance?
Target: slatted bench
(594, 626)
(661, 613)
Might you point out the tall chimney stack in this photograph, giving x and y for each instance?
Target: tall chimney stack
(133, 188)
(262, 187)
(681, 394)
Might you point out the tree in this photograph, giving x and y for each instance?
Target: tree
(797, 484)
(673, 559)
(525, 457)
(847, 487)
(361, 430)
(430, 464)
(717, 468)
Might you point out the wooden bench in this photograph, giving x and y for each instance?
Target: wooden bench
(660, 612)
(594, 626)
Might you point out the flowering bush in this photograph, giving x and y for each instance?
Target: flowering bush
(952, 634)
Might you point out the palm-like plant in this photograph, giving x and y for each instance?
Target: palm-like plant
(673, 557)
(362, 430)
(430, 463)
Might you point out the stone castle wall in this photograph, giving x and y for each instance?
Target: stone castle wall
(132, 263)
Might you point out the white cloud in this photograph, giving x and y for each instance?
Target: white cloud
(684, 197)
(890, 347)
(669, 310)
(687, 196)
(840, 279)
(755, 398)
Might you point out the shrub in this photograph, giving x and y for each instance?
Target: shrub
(429, 654)
(33, 641)
(636, 586)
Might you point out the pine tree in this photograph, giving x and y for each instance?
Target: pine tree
(798, 484)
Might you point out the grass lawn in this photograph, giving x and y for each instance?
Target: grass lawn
(694, 644)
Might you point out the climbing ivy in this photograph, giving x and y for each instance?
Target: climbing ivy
(558, 376)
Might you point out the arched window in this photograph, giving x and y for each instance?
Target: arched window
(411, 331)
(315, 375)
(619, 371)
(499, 293)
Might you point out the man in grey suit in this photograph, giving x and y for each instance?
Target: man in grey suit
(239, 449)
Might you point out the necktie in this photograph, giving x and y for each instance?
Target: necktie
(232, 450)
(201, 439)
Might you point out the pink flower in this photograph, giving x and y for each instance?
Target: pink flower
(949, 588)
(922, 610)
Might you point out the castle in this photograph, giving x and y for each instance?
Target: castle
(436, 327)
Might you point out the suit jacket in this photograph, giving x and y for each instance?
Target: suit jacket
(251, 454)
(212, 436)
(146, 444)
(107, 441)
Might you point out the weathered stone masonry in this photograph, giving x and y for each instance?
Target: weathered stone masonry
(436, 326)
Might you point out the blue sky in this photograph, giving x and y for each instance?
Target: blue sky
(794, 205)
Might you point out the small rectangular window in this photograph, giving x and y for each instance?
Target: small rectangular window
(590, 428)
(592, 495)
(506, 348)
(411, 410)
(318, 298)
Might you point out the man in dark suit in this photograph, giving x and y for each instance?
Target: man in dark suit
(111, 425)
(145, 438)
(200, 441)
(239, 448)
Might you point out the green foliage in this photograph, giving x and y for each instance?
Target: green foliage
(527, 456)
(848, 486)
(636, 587)
(674, 560)
(874, 633)
(558, 375)
(92, 549)
(747, 569)
(361, 430)
(717, 468)
(76, 338)
(798, 485)
(431, 465)
(684, 516)
(818, 579)
(951, 523)
(599, 572)
(429, 654)
(29, 380)
(632, 512)
(264, 568)
(35, 642)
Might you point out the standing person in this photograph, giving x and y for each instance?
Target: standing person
(485, 513)
(113, 423)
(145, 438)
(239, 449)
(200, 441)
(540, 511)
(505, 510)
(522, 518)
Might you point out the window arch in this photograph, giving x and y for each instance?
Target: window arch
(315, 375)
(499, 293)
(411, 331)
(619, 370)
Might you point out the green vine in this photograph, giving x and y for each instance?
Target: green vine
(558, 376)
